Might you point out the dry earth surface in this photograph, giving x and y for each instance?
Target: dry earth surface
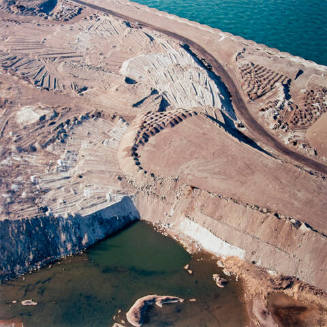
(111, 112)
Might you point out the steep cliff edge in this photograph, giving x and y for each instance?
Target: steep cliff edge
(29, 244)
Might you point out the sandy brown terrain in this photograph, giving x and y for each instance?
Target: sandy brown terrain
(317, 133)
(214, 138)
(222, 164)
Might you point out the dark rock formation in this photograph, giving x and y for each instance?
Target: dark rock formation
(29, 244)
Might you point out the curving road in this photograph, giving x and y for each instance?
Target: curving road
(237, 99)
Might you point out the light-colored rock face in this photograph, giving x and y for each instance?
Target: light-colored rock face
(28, 115)
(209, 241)
(86, 175)
(97, 111)
(178, 76)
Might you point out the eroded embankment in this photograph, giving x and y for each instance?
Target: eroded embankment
(29, 244)
(228, 228)
(269, 254)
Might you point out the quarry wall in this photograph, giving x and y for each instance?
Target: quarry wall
(29, 244)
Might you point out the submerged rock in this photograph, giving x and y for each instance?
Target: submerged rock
(220, 282)
(136, 313)
(28, 302)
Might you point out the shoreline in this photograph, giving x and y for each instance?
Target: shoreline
(259, 286)
(196, 287)
(230, 34)
(214, 30)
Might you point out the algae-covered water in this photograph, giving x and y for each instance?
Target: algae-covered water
(295, 26)
(90, 289)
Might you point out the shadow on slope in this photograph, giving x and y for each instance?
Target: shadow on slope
(230, 128)
(224, 96)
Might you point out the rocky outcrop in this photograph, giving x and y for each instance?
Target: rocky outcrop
(29, 244)
(181, 78)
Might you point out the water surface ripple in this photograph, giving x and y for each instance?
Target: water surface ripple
(295, 26)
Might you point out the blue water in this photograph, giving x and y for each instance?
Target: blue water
(295, 26)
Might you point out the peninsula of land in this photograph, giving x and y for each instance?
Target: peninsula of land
(112, 112)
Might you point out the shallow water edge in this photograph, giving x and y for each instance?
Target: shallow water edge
(98, 287)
